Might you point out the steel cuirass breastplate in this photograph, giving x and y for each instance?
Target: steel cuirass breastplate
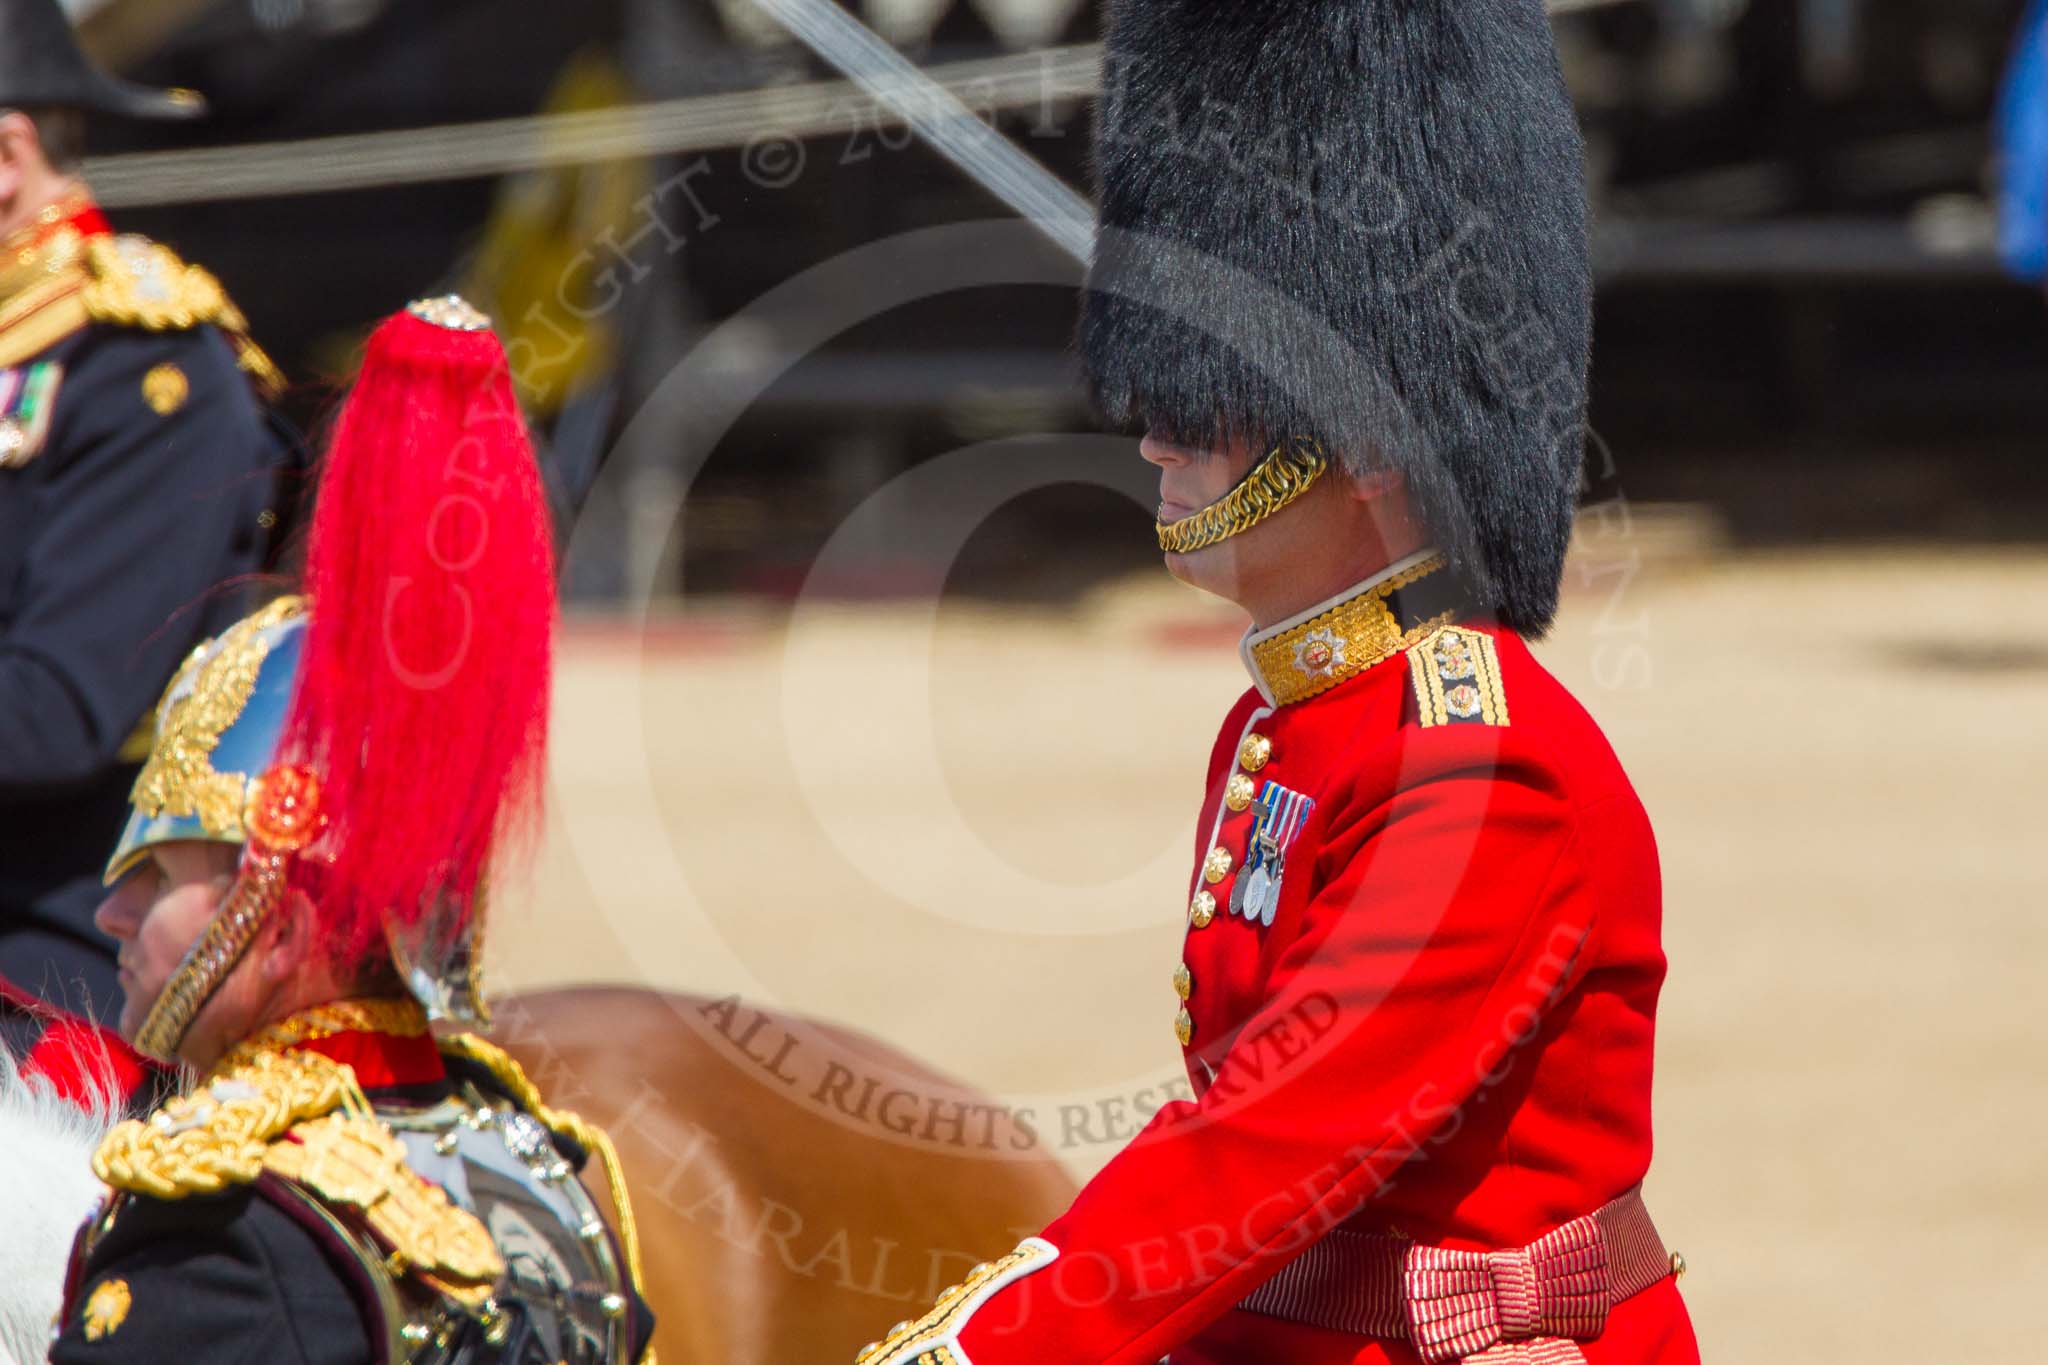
(564, 1296)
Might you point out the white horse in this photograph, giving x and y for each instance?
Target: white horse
(47, 1190)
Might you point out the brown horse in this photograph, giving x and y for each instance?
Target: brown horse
(798, 1187)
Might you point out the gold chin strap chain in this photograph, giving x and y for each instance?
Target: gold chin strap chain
(585, 1134)
(1287, 471)
(209, 960)
(280, 815)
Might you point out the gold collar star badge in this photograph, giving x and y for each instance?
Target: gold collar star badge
(1319, 653)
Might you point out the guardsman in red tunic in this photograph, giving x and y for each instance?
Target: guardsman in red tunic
(1342, 283)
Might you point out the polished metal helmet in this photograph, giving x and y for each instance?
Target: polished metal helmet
(217, 727)
(373, 746)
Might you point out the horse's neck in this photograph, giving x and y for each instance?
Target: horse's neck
(46, 1190)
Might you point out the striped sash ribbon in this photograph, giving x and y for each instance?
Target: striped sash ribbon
(1524, 1306)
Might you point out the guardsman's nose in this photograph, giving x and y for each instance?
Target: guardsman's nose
(121, 911)
(1158, 451)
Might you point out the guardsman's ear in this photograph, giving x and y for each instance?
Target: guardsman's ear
(287, 938)
(1375, 484)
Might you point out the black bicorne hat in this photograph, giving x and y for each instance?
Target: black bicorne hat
(41, 66)
(1362, 221)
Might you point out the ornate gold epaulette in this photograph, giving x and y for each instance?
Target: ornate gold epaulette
(134, 282)
(358, 1164)
(220, 1134)
(301, 1116)
(1457, 679)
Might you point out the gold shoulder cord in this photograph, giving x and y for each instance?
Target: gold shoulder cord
(585, 1134)
(1288, 471)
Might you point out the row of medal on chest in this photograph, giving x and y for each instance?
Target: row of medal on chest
(1278, 817)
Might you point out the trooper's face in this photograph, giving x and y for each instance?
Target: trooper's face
(157, 912)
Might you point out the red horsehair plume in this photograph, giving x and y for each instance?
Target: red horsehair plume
(422, 698)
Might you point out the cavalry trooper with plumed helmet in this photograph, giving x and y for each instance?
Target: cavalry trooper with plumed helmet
(137, 488)
(1342, 285)
(300, 890)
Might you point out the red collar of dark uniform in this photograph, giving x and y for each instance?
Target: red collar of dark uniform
(75, 209)
(386, 1064)
(384, 1041)
(50, 242)
(83, 215)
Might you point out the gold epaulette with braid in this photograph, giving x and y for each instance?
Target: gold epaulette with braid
(1456, 675)
(357, 1165)
(220, 1134)
(134, 282)
(302, 1117)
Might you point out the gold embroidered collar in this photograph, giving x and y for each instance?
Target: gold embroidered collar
(43, 277)
(47, 247)
(400, 1018)
(1337, 640)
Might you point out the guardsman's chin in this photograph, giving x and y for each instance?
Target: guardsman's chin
(1215, 570)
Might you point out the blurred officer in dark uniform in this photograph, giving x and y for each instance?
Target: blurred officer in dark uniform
(135, 482)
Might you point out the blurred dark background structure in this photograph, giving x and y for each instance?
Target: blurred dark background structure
(1801, 319)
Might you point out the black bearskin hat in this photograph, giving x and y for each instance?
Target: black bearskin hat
(1362, 221)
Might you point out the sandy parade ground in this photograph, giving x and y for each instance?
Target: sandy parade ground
(967, 830)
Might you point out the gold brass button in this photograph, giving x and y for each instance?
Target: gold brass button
(1238, 795)
(1677, 1265)
(1183, 981)
(1202, 910)
(1216, 866)
(1255, 753)
(1184, 1027)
